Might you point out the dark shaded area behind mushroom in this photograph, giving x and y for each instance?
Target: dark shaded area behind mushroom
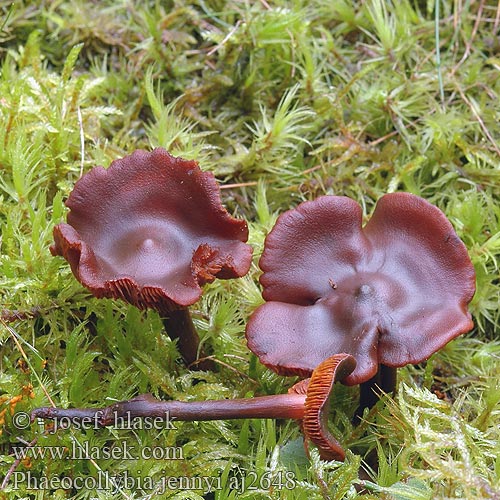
(151, 230)
(390, 294)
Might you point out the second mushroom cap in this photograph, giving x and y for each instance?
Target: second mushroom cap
(391, 293)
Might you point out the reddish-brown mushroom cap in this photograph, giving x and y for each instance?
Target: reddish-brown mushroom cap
(151, 229)
(391, 293)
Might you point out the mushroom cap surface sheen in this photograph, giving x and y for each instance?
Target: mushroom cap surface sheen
(392, 292)
(151, 230)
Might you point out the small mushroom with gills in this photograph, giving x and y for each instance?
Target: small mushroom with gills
(151, 230)
(307, 401)
(390, 293)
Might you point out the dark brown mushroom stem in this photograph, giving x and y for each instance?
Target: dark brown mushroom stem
(180, 328)
(308, 401)
(384, 382)
(147, 406)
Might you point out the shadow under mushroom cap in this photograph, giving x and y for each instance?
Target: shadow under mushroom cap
(151, 229)
(391, 293)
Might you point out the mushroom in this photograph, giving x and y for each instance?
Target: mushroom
(307, 401)
(389, 294)
(151, 230)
